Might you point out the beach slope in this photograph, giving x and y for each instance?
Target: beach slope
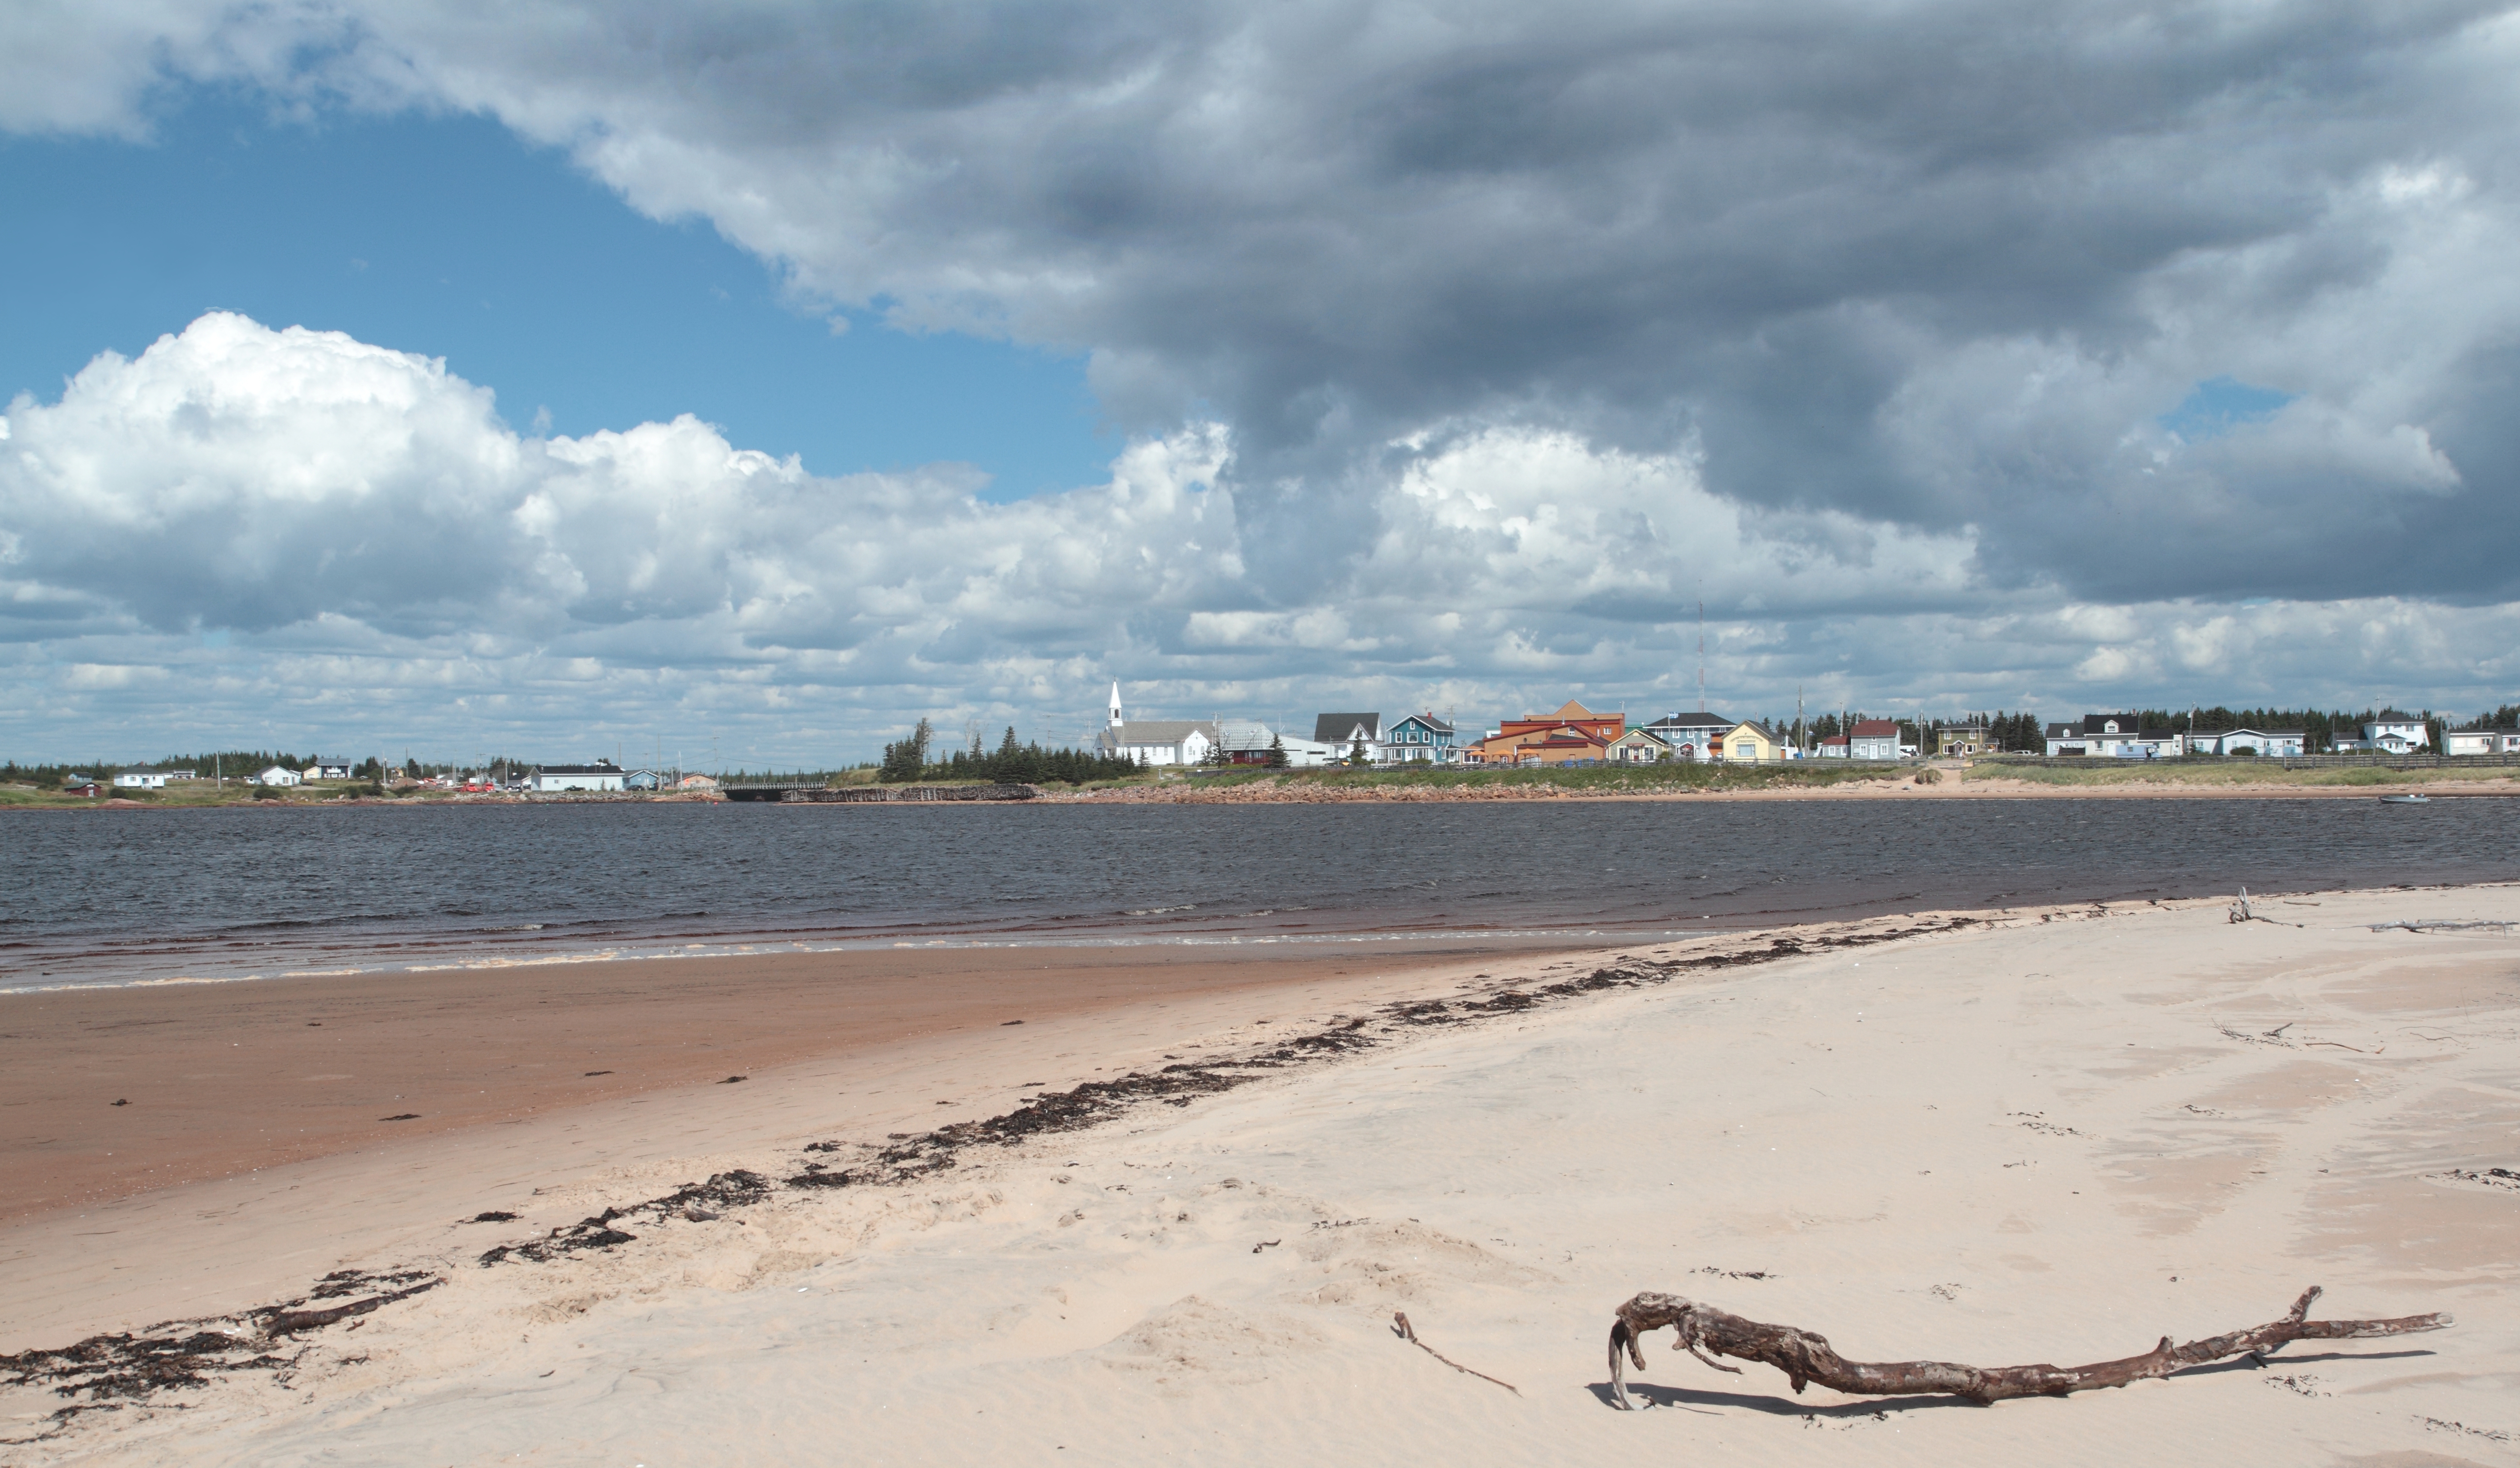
(2033, 1136)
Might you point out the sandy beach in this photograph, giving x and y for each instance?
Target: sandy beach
(1173, 1222)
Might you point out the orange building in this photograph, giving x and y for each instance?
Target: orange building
(1574, 732)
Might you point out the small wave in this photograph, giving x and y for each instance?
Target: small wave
(284, 924)
(1154, 912)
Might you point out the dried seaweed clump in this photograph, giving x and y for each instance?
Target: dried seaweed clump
(697, 1202)
(108, 1372)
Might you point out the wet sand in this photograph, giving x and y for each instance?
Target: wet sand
(224, 1079)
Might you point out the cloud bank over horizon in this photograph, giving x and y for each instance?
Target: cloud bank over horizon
(1956, 356)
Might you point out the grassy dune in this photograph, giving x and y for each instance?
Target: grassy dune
(191, 795)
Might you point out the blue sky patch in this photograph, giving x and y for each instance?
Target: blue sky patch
(2218, 405)
(450, 237)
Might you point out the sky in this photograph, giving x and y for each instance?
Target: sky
(760, 378)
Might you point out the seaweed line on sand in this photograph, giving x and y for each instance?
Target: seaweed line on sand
(106, 1372)
(1095, 1102)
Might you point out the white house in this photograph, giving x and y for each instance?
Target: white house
(1833, 747)
(1156, 741)
(2267, 742)
(2482, 741)
(2112, 736)
(328, 766)
(1694, 735)
(1161, 741)
(140, 779)
(1344, 731)
(603, 775)
(279, 774)
(1637, 746)
(2396, 734)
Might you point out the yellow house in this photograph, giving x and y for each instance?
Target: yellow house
(1750, 743)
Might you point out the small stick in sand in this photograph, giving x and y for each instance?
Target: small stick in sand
(1400, 1323)
(1808, 1357)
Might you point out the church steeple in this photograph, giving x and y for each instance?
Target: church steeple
(1115, 704)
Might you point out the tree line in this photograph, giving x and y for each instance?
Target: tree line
(907, 761)
(233, 764)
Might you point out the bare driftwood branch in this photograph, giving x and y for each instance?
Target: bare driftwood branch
(1409, 1333)
(2241, 911)
(1808, 1357)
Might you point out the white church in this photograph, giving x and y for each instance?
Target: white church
(1156, 742)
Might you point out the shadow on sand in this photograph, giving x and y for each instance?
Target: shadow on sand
(1690, 1398)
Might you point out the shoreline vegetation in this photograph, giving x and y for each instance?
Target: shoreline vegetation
(1983, 778)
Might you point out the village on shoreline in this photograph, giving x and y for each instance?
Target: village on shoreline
(1569, 752)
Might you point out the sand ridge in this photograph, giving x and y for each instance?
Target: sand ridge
(2051, 1135)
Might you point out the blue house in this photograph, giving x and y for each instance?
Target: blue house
(1420, 738)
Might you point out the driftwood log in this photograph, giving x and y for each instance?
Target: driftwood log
(1805, 1357)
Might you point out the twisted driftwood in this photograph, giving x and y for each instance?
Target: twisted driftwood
(1808, 1357)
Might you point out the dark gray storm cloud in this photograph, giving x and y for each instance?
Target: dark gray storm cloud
(1941, 265)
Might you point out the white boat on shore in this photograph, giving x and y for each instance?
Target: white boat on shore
(2405, 800)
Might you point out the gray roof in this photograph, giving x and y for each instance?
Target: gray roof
(1701, 719)
(2094, 727)
(1153, 732)
(1340, 729)
(1431, 721)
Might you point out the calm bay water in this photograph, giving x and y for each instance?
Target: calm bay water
(90, 897)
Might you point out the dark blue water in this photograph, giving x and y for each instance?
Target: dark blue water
(117, 896)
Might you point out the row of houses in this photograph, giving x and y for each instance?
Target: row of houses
(1571, 735)
(159, 778)
(601, 777)
(2122, 736)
